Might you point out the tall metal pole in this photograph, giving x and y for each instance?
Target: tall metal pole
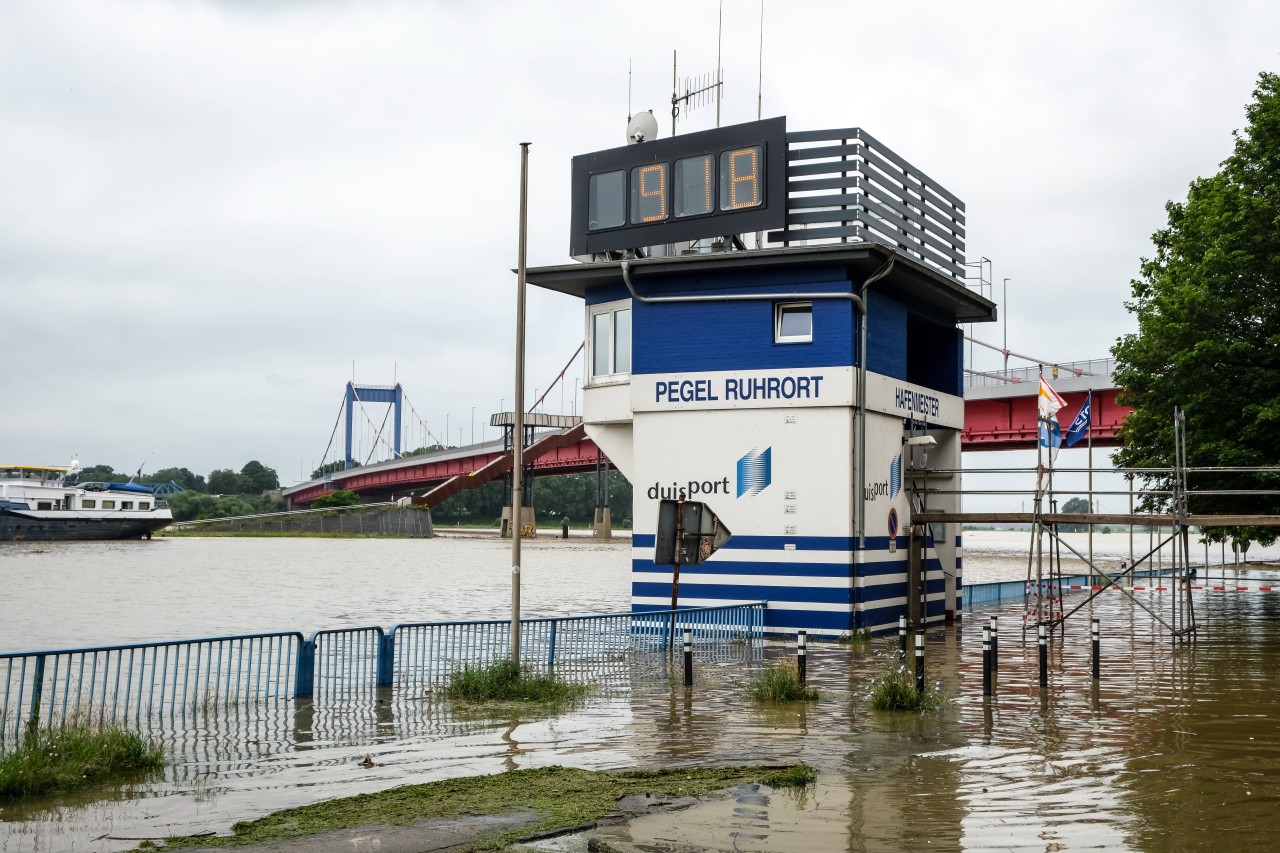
(674, 102)
(1088, 431)
(1005, 311)
(517, 445)
(719, 83)
(760, 69)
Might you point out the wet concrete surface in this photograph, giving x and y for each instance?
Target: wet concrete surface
(425, 836)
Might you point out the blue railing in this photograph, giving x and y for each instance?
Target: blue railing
(171, 683)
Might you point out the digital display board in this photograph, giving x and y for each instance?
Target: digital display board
(730, 180)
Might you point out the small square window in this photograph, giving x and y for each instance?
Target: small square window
(108, 504)
(793, 323)
(126, 504)
(89, 503)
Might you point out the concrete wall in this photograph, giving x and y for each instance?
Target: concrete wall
(374, 521)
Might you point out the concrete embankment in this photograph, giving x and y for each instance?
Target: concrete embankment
(373, 520)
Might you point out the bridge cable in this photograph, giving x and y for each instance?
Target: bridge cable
(419, 419)
(324, 460)
(383, 426)
(559, 378)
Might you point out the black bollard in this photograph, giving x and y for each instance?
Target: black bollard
(688, 657)
(801, 656)
(995, 647)
(1044, 657)
(902, 636)
(1097, 650)
(920, 662)
(986, 660)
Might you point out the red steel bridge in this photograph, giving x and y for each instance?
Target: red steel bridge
(1000, 414)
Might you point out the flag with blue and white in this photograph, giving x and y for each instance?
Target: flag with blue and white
(1080, 426)
(1050, 435)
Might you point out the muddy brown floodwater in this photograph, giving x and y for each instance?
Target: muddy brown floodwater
(1176, 748)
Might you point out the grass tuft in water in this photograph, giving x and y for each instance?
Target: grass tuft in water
(859, 639)
(792, 777)
(894, 689)
(780, 682)
(73, 756)
(503, 681)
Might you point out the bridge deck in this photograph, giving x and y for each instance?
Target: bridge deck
(1000, 414)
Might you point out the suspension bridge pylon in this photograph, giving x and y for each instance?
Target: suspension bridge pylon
(374, 394)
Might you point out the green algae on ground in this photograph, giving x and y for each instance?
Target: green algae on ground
(563, 796)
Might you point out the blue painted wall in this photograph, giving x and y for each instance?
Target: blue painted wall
(914, 343)
(886, 335)
(739, 335)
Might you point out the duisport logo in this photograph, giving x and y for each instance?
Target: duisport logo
(754, 473)
(895, 477)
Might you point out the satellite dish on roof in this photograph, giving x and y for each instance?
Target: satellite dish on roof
(643, 127)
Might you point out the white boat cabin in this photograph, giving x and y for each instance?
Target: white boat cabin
(42, 487)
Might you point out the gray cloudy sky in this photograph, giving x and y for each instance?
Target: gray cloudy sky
(210, 210)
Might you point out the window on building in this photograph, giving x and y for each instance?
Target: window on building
(89, 503)
(610, 332)
(793, 322)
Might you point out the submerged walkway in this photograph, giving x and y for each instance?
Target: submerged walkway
(1079, 764)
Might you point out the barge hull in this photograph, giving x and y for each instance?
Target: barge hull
(62, 526)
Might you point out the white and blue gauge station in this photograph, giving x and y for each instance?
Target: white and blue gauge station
(773, 329)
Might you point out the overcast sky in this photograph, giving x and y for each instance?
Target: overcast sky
(210, 211)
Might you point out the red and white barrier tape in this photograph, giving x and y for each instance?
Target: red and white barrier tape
(1170, 589)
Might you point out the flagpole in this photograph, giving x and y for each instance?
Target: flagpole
(1088, 434)
(1035, 524)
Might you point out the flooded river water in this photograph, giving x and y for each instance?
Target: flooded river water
(1176, 748)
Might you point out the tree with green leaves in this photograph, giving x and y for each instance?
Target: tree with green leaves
(99, 474)
(259, 477)
(1074, 505)
(341, 497)
(331, 467)
(181, 476)
(1208, 339)
(224, 481)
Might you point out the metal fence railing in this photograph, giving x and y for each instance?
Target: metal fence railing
(1100, 367)
(176, 684)
(143, 681)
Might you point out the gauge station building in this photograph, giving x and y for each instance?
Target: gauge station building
(773, 328)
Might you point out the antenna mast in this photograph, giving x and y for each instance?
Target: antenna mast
(719, 66)
(696, 92)
(675, 108)
(760, 69)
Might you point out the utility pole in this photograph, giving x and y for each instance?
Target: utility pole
(517, 445)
